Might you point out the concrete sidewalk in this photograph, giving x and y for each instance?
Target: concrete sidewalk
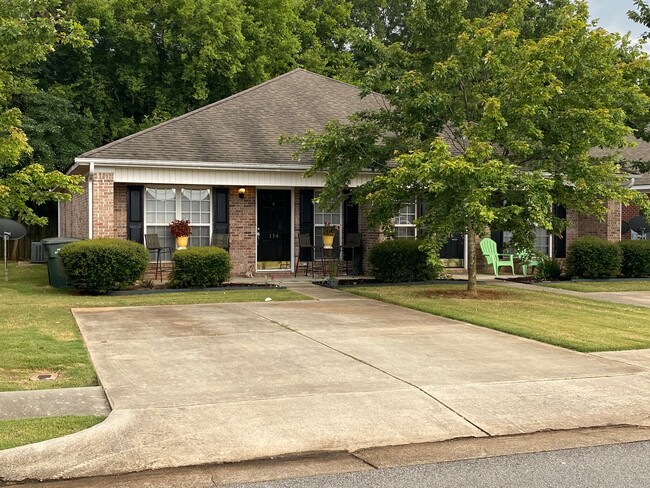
(53, 403)
(203, 384)
(637, 298)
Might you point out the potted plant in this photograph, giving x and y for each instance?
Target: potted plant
(329, 230)
(181, 231)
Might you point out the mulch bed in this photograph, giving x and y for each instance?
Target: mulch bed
(463, 295)
(163, 288)
(522, 279)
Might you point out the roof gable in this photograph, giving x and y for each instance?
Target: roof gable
(245, 127)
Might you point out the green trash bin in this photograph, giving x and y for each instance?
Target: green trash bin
(55, 272)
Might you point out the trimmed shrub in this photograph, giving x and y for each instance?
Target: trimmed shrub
(636, 258)
(200, 267)
(100, 265)
(549, 268)
(401, 260)
(593, 258)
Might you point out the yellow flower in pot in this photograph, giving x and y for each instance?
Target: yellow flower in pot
(181, 231)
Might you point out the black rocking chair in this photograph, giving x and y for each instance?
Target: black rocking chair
(305, 254)
(352, 252)
(152, 243)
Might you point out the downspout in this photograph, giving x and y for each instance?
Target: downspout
(629, 184)
(91, 172)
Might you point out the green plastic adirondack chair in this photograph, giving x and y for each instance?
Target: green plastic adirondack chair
(527, 258)
(495, 259)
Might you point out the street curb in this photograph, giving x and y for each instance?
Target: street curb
(300, 465)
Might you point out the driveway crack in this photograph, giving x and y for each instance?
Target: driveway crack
(370, 365)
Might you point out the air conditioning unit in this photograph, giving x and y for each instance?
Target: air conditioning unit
(38, 253)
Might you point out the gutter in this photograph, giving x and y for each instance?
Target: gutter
(222, 166)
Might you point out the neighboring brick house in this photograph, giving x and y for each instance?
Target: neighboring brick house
(221, 167)
(640, 183)
(620, 215)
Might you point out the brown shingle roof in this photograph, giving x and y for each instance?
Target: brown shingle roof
(635, 154)
(640, 152)
(245, 127)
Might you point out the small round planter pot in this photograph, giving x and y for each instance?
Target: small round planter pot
(181, 242)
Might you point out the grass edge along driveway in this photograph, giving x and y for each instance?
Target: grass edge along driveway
(603, 286)
(14, 433)
(575, 323)
(39, 334)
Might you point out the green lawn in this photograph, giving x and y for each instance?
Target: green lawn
(575, 323)
(15, 433)
(38, 332)
(596, 286)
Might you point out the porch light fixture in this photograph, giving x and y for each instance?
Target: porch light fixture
(242, 192)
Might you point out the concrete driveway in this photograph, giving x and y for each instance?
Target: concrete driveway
(222, 383)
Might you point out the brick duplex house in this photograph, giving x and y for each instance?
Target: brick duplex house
(222, 168)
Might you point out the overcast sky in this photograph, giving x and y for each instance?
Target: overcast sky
(613, 16)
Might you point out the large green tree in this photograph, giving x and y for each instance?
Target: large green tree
(490, 120)
(641, 15)
(29, 29)
(151, 60)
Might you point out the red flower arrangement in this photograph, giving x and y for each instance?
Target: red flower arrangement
(180, 228)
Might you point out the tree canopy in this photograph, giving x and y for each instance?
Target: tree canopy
(75, 79)
(29, 29)
(490, 120)
(152, 60)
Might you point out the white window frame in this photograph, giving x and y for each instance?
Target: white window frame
(416, 215)
(549, 241)
(340, 224)
(549, 237)
(178, 203)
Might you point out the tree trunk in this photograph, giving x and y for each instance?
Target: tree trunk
(13, 256)
(471, 257)
(14, 246)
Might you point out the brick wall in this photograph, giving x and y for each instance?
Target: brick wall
(119, 210)
(74, 216)
(580, 225)
(103, 205)
(628, 212)
(243, 230)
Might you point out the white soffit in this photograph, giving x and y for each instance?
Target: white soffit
(205, 177)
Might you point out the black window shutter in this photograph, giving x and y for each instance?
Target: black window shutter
(135, 213)
(559, 242)
(306, 219)
(220, 214)
(351, 226)
(497, 236)
(422, 209)
(350, 217)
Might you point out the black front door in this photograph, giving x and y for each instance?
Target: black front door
(454, 248)
(274, 225)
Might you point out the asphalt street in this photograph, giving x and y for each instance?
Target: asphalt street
(619, 466)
